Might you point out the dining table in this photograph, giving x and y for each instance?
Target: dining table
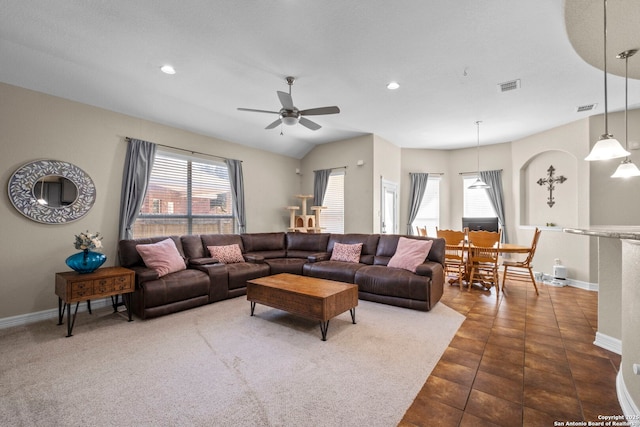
(505, 248)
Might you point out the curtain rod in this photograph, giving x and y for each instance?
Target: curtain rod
(430, 173)
(337, 167)
(128, 139)
(469, 173)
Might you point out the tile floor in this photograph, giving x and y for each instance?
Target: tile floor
(519, 359)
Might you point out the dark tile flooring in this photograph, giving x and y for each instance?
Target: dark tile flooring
(519, 359)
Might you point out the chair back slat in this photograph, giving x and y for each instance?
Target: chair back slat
(534, 245)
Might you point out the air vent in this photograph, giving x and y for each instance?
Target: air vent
(510, 85)
(587, 107)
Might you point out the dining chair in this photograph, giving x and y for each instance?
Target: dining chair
(456, 249)
(484, 251)
(522, 270)
(422, 231)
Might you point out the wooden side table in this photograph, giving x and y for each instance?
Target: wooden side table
(75, 287)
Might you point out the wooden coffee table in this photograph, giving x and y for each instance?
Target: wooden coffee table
(309, 297)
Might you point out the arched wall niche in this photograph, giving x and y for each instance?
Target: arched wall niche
(534, 198)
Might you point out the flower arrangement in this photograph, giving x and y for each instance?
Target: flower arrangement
(87, 241)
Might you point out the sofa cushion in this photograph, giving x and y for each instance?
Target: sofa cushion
(269, 245)
(128, 254)
(410, 253)
(388, 244)
(301, 245)
(222, 240)
(393, 282)
(286, 265)
(369, 244)
(332, 270)
(174, 287)
(346, 252)
(193, 247)
(240, 272)
(162, 256)
(226, 254)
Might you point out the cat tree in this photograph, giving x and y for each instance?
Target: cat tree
(305, 223)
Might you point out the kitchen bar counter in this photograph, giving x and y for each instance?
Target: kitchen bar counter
(619, 305)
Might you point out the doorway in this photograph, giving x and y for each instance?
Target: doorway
(389, 208)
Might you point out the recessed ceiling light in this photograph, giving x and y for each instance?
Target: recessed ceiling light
(168, 69)
(393, 86)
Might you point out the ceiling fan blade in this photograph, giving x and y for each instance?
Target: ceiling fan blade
(286, 100)
(274, 124)
(308, 123)
(258, 111)
(320, 111)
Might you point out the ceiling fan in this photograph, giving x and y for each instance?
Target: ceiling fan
(290, 115)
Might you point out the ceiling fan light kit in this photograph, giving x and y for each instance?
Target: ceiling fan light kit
(290, 114)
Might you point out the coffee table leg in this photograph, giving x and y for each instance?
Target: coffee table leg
(323, 328)
(353, 314)
(253, 307)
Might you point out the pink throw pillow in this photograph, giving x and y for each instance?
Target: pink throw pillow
(226, 254)
(410, 253)
(163, 257)
(347, 253)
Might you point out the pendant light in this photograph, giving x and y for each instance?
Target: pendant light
(607, 146)
(478, 184)
(626, 169)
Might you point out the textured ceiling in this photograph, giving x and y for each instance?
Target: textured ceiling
(448, 57)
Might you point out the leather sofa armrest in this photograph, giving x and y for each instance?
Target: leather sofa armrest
(322, 256)
(426, 268)
(255, 259)
(202, 261)
(144, 274)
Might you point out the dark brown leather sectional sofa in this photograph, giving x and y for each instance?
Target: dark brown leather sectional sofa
(206, 280)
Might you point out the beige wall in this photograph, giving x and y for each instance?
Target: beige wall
(387, 161)
(614, 201)
(36, 126)
(567, 144)
(358, 181)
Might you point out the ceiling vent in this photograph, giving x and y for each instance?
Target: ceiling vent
(587, 107)
(509, 86)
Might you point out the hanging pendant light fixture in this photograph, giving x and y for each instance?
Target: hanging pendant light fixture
(607, 146)
(478, 184)
(627, 168)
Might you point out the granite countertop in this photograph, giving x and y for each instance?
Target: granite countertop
(613, 231)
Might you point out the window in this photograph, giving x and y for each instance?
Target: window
(429, 211)
(186, 195)
(476, 202)
(332, 218)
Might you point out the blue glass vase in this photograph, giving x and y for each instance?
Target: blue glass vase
(86, 261)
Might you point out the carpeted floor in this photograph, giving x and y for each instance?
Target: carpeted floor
(217, 366)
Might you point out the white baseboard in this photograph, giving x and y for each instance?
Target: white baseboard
(629, 407)
(608, 343)
(587, 286)
(25, 319)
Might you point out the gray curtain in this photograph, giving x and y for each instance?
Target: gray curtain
(320, 182)
(237, 188)
(416, 193)
(496, 195)
(137, 170)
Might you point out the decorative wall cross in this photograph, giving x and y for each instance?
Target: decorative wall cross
(551, 180)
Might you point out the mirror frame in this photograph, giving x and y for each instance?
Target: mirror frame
(22, 183)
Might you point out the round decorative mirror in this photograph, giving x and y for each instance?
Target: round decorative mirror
(55, 191)
(51, 191)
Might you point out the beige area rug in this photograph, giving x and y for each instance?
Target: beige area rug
(217, 366)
